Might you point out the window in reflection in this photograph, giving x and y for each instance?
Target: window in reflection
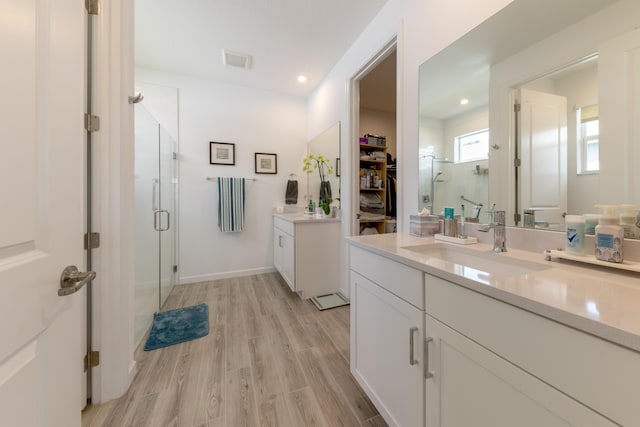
(588, 132)
(472, 146)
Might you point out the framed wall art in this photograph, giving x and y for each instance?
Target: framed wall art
(266, 163)
(222, 153)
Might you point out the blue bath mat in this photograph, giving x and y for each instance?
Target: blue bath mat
(180, 325)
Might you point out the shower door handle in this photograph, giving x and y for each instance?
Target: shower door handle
(168, 221)
(157, 219)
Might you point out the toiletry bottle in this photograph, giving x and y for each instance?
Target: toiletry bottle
(575, 234)
(590, 222)
(311, 206)
(609, 236)
(628, 222)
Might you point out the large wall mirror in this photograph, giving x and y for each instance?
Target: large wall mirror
(326, 144)
(536, 109)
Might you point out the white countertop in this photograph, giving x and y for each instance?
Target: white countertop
(596, 300)
(302, 217)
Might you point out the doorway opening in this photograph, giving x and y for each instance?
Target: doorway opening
(375, 146)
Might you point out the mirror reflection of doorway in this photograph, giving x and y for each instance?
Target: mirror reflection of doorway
(556, 144)
(542, 139)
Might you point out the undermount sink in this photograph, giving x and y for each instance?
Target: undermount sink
(475, 264)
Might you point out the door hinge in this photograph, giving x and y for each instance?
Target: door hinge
(175, 156)
(91, 360)
(517, 217)
(175, 268)
(516, 108)
(91, 122)
(517, 163)
(93, 6)
(91, 241)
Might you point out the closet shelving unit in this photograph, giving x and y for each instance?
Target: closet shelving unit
(376, 166)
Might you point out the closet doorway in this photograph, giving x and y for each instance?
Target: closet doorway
(377, 175)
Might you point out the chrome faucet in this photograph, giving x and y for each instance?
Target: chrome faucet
(499, 231)
(529, 218)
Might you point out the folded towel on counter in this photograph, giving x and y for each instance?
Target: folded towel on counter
(291, 194)
(231, 204)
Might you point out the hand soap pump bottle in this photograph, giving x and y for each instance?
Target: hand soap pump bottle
(609, 236)
(628, 222)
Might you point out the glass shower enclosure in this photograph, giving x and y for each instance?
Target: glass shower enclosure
(155, 219)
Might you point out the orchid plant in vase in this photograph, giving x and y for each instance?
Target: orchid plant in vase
(323, 165)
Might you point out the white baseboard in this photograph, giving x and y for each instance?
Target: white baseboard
(133, 370)
(224, 275)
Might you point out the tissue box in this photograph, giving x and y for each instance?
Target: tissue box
(424, 225)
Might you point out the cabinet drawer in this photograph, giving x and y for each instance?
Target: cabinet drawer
(286, 226)
(597, 373)
(399, 279)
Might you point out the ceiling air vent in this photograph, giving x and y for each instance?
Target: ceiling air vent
(236, 59)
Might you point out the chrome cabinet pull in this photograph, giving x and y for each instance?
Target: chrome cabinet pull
(412, 332)
(427, 373)
(280, 240)
(72, 280)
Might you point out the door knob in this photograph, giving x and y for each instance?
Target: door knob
(72, 280)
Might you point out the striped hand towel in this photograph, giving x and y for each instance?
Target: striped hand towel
(231, 204)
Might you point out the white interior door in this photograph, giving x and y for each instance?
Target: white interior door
(41, 219)
(543, 154)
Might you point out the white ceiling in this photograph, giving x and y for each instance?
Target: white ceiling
(284, 37)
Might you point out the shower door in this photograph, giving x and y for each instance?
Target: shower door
(155, 203)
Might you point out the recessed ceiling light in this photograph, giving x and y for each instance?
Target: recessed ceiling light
(302, 78)
(236, 59)
(464, 101)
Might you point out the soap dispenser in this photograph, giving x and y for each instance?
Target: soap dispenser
(628, 222)
(609, 236)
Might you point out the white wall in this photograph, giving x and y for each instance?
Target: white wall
(423, 28)
(431, 140)
(580, 89)
(438, 136)
(256, 121)
(459, 179)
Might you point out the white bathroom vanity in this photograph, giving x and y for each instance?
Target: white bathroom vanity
(306, 252)
(443, 335)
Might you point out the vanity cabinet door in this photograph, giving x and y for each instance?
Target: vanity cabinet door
(284, 256)
(384, 327)
(469, 385)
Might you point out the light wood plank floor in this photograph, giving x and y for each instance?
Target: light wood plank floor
(270, 359)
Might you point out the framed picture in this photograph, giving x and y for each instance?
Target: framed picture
(338, 166)
(266, 163)
(222, 153)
